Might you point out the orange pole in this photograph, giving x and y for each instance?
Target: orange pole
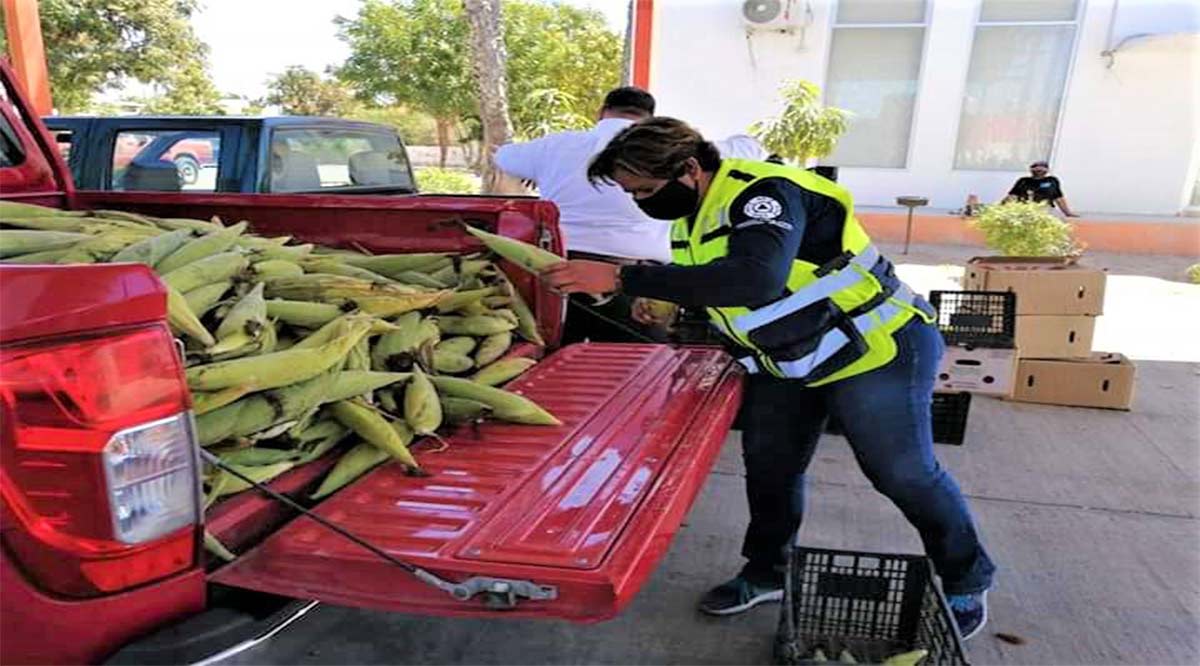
(24, 31)
(643, 36)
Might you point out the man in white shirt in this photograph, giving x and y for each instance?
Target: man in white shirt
(602, 222)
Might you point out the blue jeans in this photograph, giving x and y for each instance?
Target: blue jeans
(885, 414)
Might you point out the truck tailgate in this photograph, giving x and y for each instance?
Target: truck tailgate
(588, 507)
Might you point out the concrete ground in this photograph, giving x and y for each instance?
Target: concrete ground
(1092, 516)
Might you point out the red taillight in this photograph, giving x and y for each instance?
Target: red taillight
(99, 473)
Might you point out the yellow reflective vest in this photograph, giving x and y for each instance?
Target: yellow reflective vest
(834, 321)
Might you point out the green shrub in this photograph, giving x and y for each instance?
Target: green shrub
(415, 128)
(1193, 273)
(1026, 229)
(432, 180)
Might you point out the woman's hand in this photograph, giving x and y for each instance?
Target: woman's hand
(654, 313)
(582, 276)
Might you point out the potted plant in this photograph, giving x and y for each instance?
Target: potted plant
(1026, 229)
(806, 130)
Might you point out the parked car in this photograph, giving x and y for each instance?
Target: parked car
(100, 515)
(289, 154)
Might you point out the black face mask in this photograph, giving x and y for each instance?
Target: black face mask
(671, 202)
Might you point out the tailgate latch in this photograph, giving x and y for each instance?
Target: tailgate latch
(499, 593)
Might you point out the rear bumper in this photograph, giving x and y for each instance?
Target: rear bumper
(39, 629)
(234, 621)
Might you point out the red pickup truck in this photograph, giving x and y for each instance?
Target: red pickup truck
(100, 518)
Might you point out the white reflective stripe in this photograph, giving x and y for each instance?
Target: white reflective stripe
(834, 340)
(822, 288)
(830, 344)
(749, 364)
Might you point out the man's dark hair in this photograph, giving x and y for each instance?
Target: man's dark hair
(629, 100)
(1041, 163)
(653, 148)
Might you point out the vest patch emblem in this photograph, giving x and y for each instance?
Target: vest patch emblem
(763, 208)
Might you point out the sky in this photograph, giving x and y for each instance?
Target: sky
(250, 40)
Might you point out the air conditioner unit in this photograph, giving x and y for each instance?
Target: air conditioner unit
(776, 15)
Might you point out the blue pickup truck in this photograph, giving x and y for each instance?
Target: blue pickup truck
(233, 154)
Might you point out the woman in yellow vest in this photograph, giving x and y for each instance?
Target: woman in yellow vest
(823, 326)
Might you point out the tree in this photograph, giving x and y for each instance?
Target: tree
(806, 128)
(189, 92)
(303, 92)
(489, 62)
(561, 54)
(415, 52)
(412, 52)
(92, 45)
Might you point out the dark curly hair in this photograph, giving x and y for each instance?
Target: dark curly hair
(653, 148)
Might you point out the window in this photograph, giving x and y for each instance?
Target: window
(1015, 83)
(306, 160)
(166, 160)
(10, 148)
(874, 65)
(62, 139)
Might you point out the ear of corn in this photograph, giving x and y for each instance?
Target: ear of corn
(530, 257)
(352, 383)
(392, 265)
(248, 316)
(422, 409)
(43, 257)
(181, 318)
(353, 464)
(375, 429)
(907, 658)
(15, 210)
(474, 325)
(503, 371)
(213, 268)
(451, 363)
(463, 410)
(526, 322)
(269, 268)
(303, 314)
(154, 249)
(492, 348)
(203, 403)
(15, 242)
(278, 368)
(216, 548)
(505, 405)
(203, 299)
(462, 344)
(205, 246)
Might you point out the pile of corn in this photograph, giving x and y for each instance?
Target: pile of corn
(293, 349)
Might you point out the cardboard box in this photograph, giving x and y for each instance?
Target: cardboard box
(1055, 336)
(1043, 285)
(1102, 380)
(979, 370)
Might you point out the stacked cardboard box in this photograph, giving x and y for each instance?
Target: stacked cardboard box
(1057, 303)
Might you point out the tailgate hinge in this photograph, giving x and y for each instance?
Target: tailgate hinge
(499, 593)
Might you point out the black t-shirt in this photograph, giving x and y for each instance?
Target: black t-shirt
(1046, 188)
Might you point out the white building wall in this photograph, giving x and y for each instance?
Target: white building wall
(1128, 139)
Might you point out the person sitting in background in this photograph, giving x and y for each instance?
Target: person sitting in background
(1040, 187)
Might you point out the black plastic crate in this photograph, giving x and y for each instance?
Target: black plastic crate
(949, 415)
(950, 411)
(872, 604)
(976, 318)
